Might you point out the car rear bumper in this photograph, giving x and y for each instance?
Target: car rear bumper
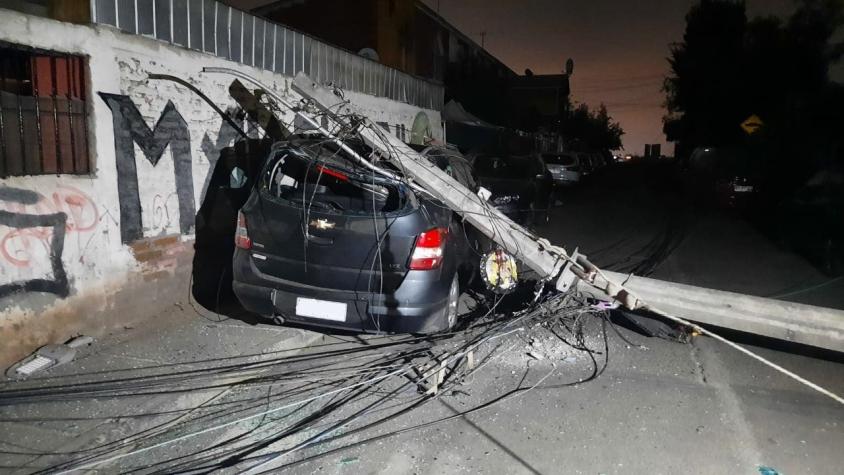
(417, 305)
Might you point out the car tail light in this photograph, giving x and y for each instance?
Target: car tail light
(428, 252)
(241, 235)
(334, 173)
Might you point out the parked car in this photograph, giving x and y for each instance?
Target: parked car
(728, 175)
(534, 169)
(564, 168)
(450, 160)
(586, 165)
(321, 242)
(512, 193)
(596, 160)
(609, 158)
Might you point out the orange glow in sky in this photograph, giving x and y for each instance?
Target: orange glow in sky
(619, 49)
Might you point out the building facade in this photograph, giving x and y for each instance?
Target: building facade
(407, 35)
(103, 169)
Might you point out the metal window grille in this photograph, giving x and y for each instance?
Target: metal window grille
(43, 113)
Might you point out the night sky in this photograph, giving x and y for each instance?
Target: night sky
(619, 48)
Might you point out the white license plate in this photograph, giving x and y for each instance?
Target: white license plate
(323, 309)
(742, 188)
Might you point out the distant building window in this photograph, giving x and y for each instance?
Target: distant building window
(43, 113)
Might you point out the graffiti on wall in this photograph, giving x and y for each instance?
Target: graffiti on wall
(171, 130)
(34, 226)
(19, 244)
(225, 136)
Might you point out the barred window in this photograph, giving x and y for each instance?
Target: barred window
(43, 113)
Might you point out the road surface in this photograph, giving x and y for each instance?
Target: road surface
(658, 407)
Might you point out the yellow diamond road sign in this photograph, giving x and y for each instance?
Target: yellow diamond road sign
(752, 124)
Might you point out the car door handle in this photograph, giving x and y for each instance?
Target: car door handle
(322, 241)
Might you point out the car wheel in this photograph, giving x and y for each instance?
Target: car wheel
(451, 306)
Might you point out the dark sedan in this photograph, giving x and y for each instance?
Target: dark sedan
(512, 191)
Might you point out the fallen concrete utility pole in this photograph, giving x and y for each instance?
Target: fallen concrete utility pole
(815, 326)
(540, 255)
(805, 324)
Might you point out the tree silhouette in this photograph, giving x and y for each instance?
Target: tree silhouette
(591, 130)
(704, 91)
(728, 67)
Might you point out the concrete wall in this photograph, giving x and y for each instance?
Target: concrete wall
(122, 247)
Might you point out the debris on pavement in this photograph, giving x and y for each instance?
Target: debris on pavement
(318, 400)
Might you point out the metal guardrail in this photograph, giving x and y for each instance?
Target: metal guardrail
(218, 29)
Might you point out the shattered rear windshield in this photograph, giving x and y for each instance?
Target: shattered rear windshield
(312, 175)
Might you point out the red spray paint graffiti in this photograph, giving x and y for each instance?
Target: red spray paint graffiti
(18, 244)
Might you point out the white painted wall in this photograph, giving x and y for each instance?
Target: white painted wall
(93, 256)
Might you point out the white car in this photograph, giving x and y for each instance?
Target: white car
(564, 167)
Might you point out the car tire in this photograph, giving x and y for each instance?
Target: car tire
(451, 306)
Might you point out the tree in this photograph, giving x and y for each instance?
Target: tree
(609, 131)
(593, 130)
(702, 95)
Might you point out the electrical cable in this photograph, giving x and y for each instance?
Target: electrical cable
(595, 373)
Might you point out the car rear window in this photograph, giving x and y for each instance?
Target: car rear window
(322, 181)
(559, 159)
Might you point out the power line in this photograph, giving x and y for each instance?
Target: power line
(624, 87)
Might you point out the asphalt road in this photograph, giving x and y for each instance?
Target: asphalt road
(658, 406)
(641, 217)
(673, 408)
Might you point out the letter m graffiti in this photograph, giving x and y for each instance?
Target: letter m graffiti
(129, 129)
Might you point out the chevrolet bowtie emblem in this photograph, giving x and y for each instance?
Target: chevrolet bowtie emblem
(322, 224)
